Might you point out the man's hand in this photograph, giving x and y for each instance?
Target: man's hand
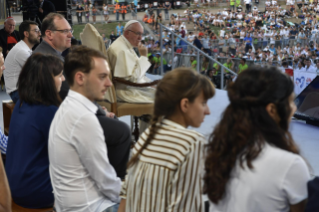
(40, 10)
(108, 114)
(142, 50)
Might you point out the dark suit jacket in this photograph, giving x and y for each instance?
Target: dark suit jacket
(4, 38)
(118, 141)
(45, 48)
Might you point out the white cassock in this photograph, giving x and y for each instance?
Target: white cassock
(124, 63)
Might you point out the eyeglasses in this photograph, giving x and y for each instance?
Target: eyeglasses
(136, 33)
(36, 31)
(64, 31)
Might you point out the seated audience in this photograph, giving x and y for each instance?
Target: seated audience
(56, 38)
(30, 35)
(252, 162)
(82, 177)
(164, 173)
(124, 63)
(27, 161)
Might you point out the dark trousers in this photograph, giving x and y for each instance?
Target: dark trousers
(233, 51)
(247, 47)
(247, 7)
(209, 52)
(79, 19)
(166, 14)
(118, 142)
(123, 16)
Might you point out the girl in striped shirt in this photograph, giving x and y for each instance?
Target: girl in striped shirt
(165, 171)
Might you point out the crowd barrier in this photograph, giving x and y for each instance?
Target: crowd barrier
(184, 60)
(216, 46)
(198, 53)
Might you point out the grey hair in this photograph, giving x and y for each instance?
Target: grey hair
(9, 19)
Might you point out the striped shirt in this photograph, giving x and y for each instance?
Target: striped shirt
(168, 174)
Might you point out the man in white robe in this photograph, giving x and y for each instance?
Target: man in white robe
(124, 63)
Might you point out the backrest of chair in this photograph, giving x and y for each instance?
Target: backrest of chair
(7, 109)
(90, 37)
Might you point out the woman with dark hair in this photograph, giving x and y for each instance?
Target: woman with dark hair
(164, 173)
(27, 161)
(252, 162)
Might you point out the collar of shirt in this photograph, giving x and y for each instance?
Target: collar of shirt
(46, 43)
(173, 124)
(26, 47)
(83, 100)
(129, 45)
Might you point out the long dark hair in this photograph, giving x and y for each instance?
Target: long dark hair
(36, 83)
(246, 125)
(175, 85)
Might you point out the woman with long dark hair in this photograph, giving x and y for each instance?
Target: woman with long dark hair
(27, 161)
(164, 173)
(252, 162)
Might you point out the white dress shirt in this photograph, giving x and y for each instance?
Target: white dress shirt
(82, 178)
(14, 62)
(300, 69)
(310, 69)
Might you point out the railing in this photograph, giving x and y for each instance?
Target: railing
(197, 54)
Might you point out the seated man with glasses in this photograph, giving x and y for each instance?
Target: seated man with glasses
(124, 63)
(56, 34)
(16, 58)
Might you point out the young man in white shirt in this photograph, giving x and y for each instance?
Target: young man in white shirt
(82, 177)
(30, 35)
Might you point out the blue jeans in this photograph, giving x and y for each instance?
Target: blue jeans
(14, 96)
(113, 208)
(117, 16)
